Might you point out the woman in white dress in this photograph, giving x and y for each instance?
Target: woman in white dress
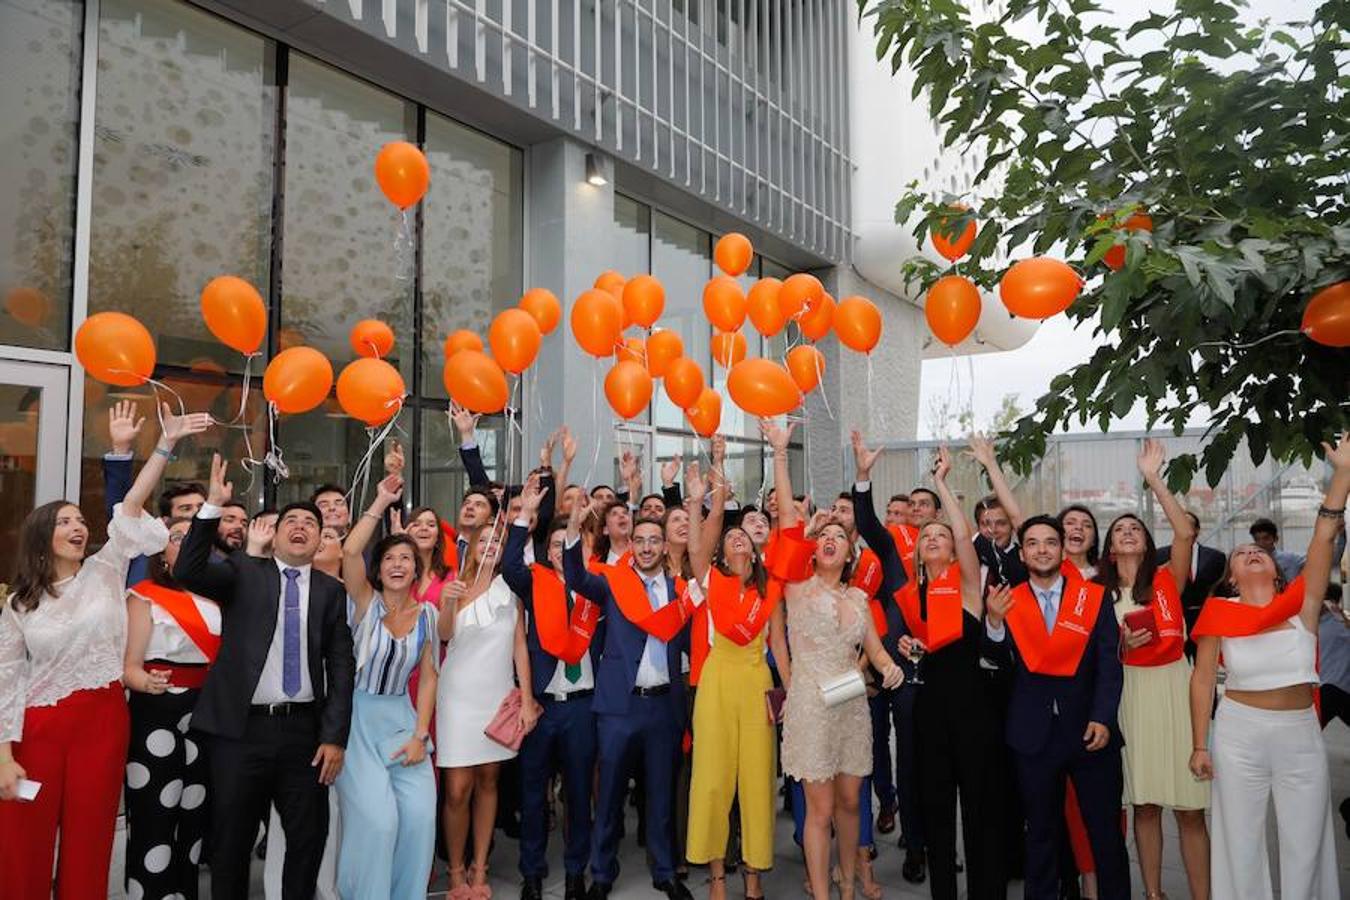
(484, 626)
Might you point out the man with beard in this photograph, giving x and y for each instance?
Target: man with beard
(231, 532)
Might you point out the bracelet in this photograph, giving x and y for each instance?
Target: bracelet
(1199, 749)
(167, 454)
(1326, 512)
(370, 515)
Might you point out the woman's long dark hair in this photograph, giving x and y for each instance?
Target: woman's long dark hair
(35, 569)
(1092, 555)
(438, 566)
(1109, 575)
(759, 578)
(685, 570)
(389, 542)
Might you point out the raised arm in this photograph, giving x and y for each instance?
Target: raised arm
(578, 578)
(1317, 567)
(1151, 457)
(865, 519)
(631, 473)
(670, 489)
(194, 569)
(702, 534)
(387, 493)
(175, 428)
(514, 570)
(569, 453)
(982, 451)
(124, 426)
(466, 423)
(778, 439)
(966, 557)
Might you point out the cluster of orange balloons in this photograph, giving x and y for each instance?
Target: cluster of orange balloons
(476, 378)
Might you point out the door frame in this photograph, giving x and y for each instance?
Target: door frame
(54, 431)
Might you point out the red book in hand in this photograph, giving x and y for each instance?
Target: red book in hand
(1143, 620)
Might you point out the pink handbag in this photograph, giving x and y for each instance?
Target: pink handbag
(506, 727)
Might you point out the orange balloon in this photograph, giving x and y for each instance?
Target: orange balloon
(644, 299)
(297, 380)
(371, 337)
(815, 323)
(734, 253)
(1115, 257)
(28, 306)
(1039, 287)
(402, 172)
(475, 381)
(806, 365)
(857, 321)
(952, 308)
(724, 302)
(662, 348)
(1326, 319)
(763, 388)
(462, 340)
(633, 349)
(515, 339)
(799, 292)
(544, 307)
(684, 381)
(116, 349)
(611, 282)
(628, 388)
(762, 305)
(705, 413)
(371, 390)
(728, 348)
(234, 312)
(957, 247)
(597, 322)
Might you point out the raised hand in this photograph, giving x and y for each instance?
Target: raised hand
(997, 604)
(777, 437)
(393, 458)
(719, 451)
(219, 491)
(569, 445)
(1338, 455)
(863, 459)
(546, 451)
(123, 425)
(260, 534)
(1151, 459)
(943, 465)
(670, 469)
(627, 465)
(466, 423)
(982, 450)
(819, 519)
(396, 521)
(694, 486)
(531, 495)
(179, 427)
(389, 491)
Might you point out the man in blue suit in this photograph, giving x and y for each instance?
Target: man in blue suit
(1067, 678)
(639, 698)
(565, 732)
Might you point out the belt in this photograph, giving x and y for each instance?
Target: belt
(659, 691)
(181, 675)
(281, 709)
(569, 696)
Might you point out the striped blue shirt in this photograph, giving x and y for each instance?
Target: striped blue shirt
(385, 663)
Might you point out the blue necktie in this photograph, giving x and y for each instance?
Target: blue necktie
(1048, 611)
(290, 636)
(656, 649)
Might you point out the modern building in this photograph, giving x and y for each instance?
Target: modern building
(147, 146)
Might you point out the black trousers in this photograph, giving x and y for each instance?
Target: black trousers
(270, 764)
(166, 798)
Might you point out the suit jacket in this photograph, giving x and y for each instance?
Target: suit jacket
(1209, 569)
(1091, 695)
(518, 577)
(621, 650)
(248, 590)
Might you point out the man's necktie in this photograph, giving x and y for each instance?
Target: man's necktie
(290, 635)
(1048, 612)
(571, 671)
(656, 650)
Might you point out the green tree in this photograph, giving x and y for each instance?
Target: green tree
(1231, 137)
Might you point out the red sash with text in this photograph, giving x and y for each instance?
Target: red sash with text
(943, 625)
(1059, 652)
(867, 578)
(788, 554)
(1070, 571)
(739, 613)
(631, 595)
(1167, 624)
(562, 635)
(906, 538)
(1230, 617)
(183, 609)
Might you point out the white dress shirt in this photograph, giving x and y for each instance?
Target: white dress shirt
(269, 689)
(1053, 594)
(648, 675)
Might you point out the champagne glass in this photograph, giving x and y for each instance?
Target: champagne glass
(916, 654)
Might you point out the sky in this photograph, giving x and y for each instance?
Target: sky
(1057, 346)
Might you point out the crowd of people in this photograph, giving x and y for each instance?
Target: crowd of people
(382, 689)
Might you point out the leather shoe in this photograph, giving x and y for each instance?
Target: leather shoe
(886, 819)
(675, 890)
(598, 891)
(575, 888)
(913, 868)
(532, 889)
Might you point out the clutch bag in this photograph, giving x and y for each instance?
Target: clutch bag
(506, 727)
(773, 704)
(843, 688)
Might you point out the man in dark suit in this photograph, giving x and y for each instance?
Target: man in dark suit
(639, 698)
(1207, 568)
(278, 701)
(1067, 679)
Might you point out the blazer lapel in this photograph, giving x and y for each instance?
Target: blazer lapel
(314, 631)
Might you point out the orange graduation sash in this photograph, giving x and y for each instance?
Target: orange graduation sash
(631, 596)
(788, 554)
(867, 578)
(906, 537)
(1070, 570)
(1168, 625)
(1230, 617)
(1059, 652)
(564, 636)
(943, 625)
(183, 609)
(739, 613)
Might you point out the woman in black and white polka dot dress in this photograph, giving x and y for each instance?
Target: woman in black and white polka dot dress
(172, 638)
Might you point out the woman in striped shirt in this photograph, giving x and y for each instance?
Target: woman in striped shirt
(387, 789)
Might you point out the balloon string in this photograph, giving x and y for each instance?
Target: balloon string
(377, 435)
(403, 247)
(595, 420)
(274, 459)
(820, 383)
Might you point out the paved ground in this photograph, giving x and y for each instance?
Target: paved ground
(786, 878)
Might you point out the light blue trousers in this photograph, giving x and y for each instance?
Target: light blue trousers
(388, 809)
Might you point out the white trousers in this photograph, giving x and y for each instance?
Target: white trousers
(276, 855)
(1258, 753)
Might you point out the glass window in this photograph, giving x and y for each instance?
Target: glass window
(443, 478)
(183, 161)
(632, 237)
(682, 259)
(40, 47)
(472, 235)
(346, 256)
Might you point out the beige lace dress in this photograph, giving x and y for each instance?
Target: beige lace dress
(825, 632)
